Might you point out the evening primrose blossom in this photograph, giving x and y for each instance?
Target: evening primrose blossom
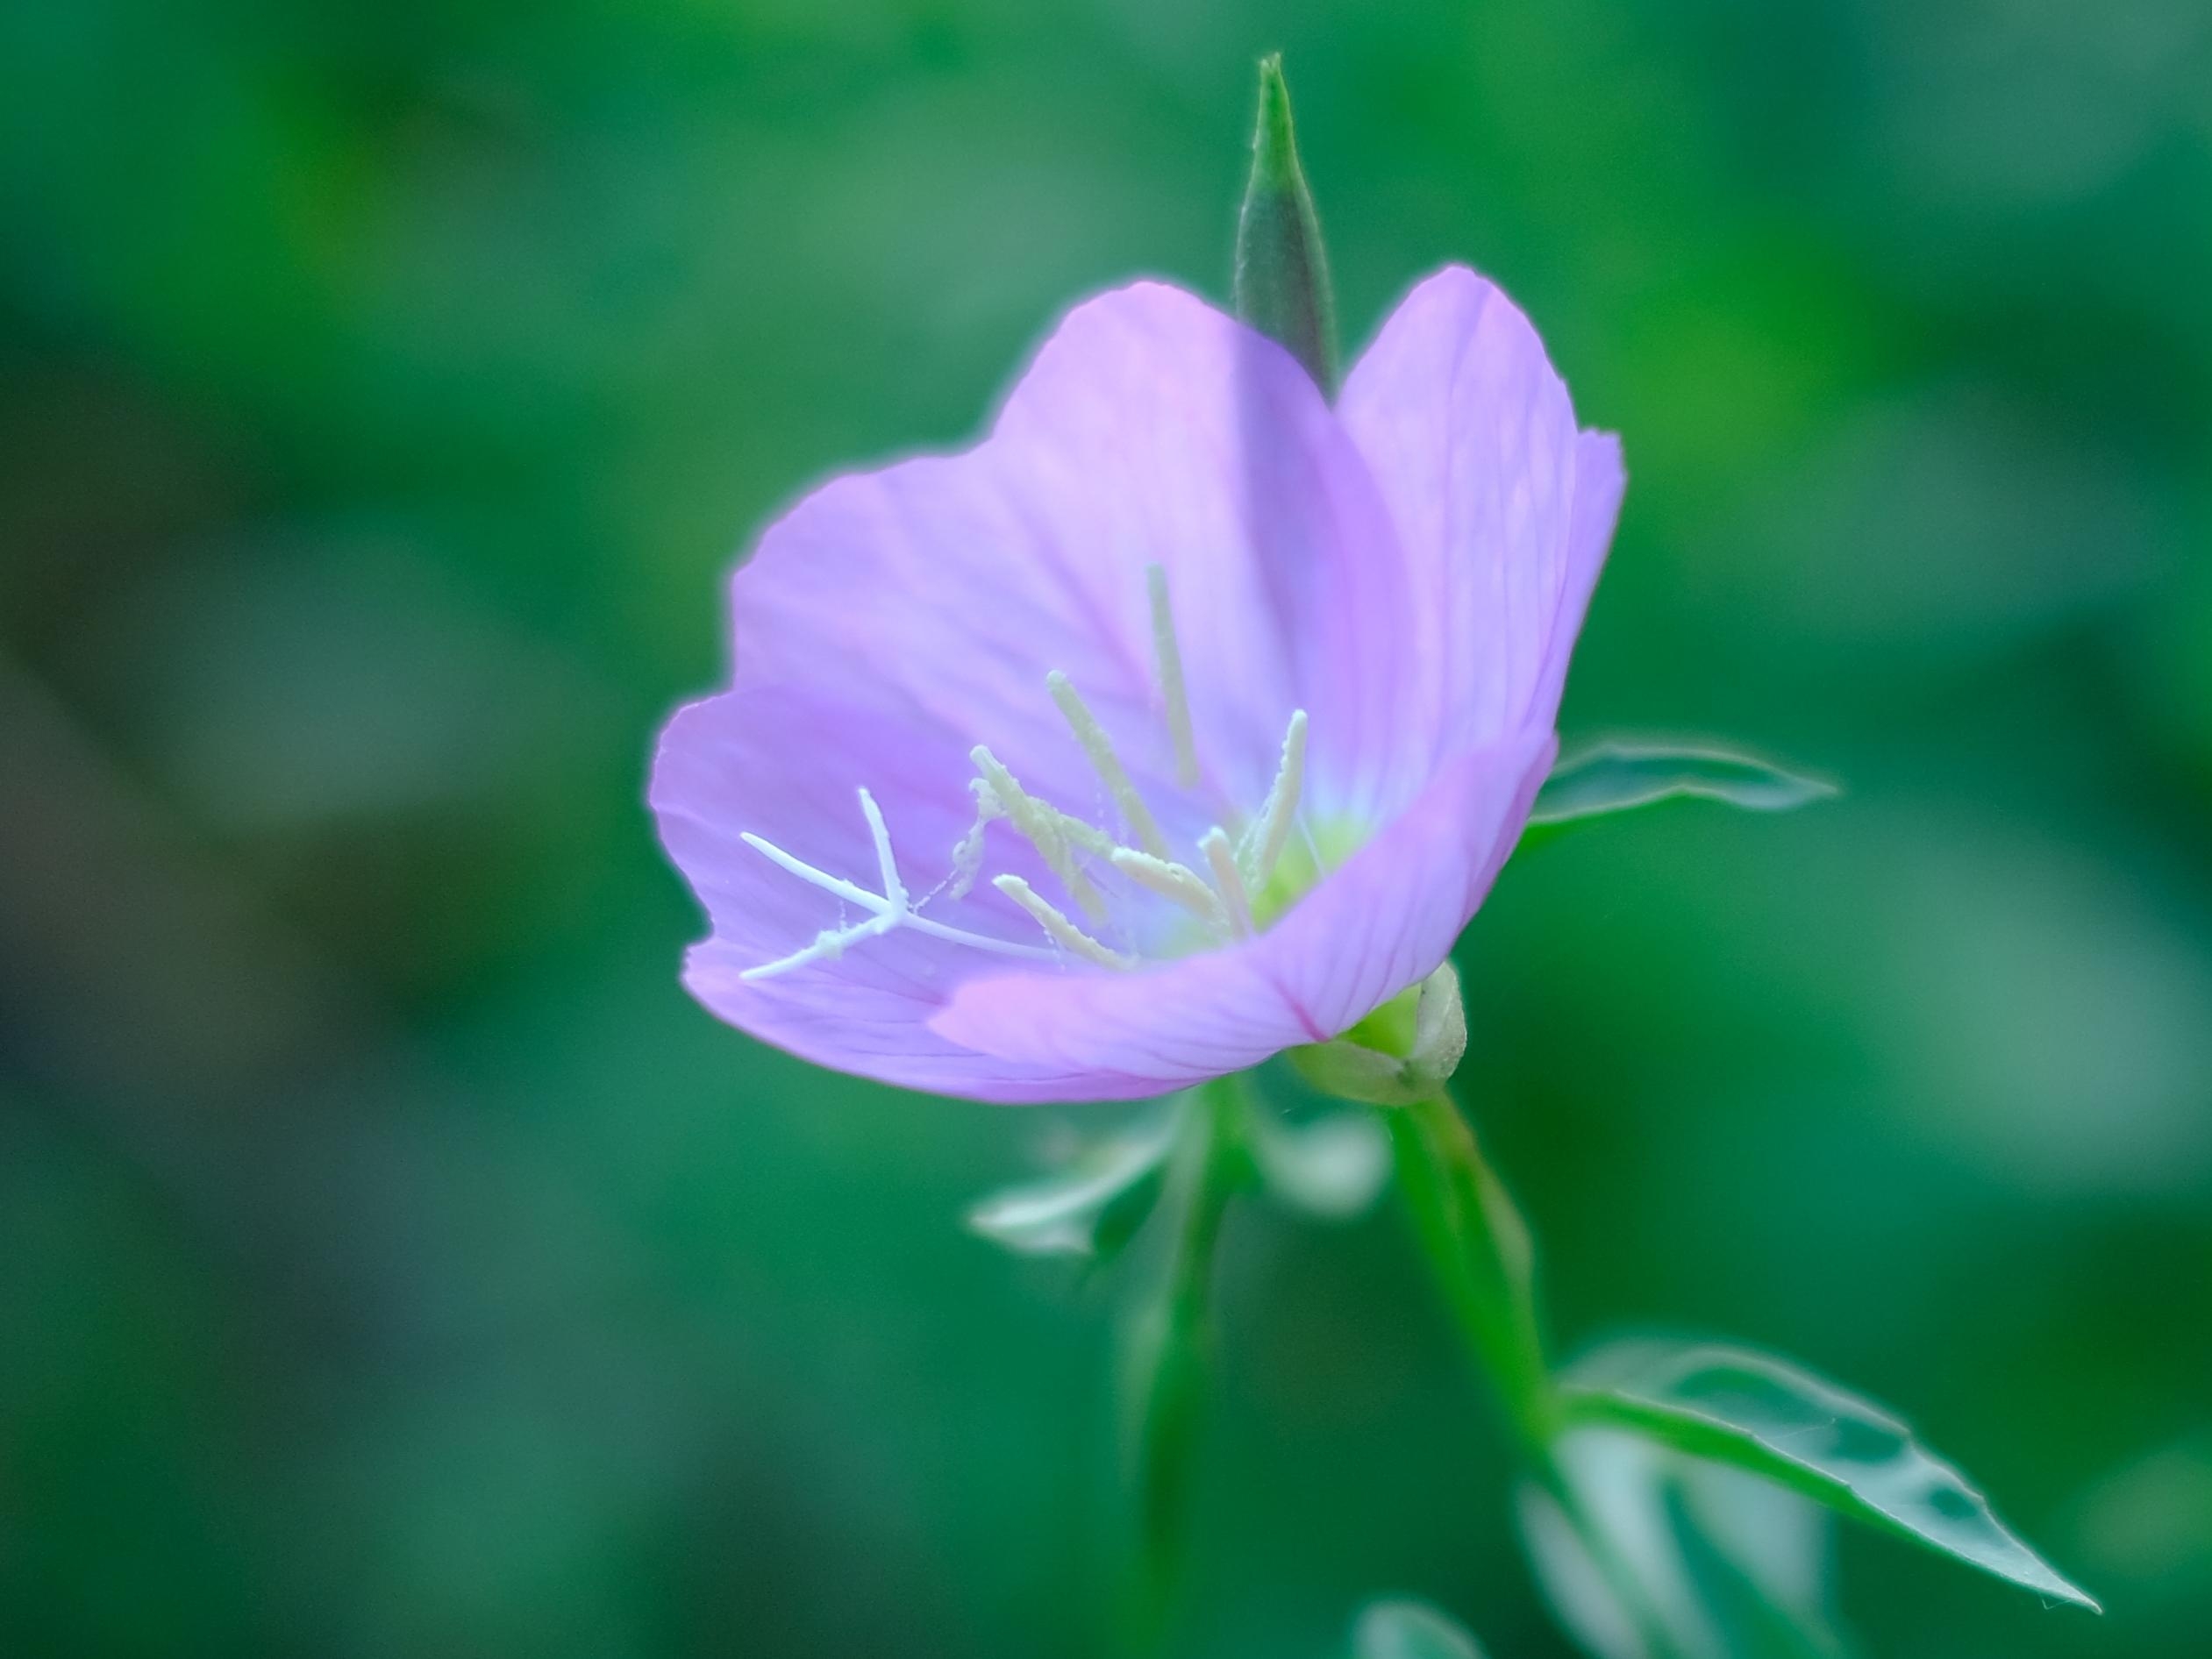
(1184, 720)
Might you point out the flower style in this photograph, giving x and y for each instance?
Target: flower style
(1182, 721)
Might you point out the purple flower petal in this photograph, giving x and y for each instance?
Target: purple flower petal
(1410, 576)
(950, 584)
(1503, 509)
(731, 764)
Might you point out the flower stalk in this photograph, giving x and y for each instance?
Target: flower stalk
(1481, 1254)
(1479, 1247)
(1170, 1351)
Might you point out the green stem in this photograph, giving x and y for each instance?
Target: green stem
(1171, 1351)
(1480, 1249)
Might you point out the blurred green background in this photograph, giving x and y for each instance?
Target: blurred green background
(394, 1262)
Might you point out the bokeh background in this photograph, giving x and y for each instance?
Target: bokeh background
(393, 1262)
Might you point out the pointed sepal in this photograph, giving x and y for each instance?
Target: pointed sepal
(1281, 286)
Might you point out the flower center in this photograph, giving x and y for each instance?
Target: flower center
(1236, 880)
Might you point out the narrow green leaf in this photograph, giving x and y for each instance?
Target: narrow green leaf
(1620, 777)
(1758, 1413)
(1091, 1208)
(1752, 1622)
(1725, 1564)
(1409, 1630)
(1332, 1169)
(1281, 285)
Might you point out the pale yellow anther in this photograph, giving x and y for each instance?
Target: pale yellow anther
(1171, 881)
(1264, 841)
(1057, 928)
(967, 852)
(1057, 837)
(1170, 657)
(1099, 749)
(1221, 858)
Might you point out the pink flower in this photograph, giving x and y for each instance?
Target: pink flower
(1181, 721)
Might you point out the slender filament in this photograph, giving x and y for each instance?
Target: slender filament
(1170, 656)
(1228, 880)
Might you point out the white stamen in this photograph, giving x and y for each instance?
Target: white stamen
(886, 911)
(805, 872)
(1056, 927)
(1057, 837)
(1099, 749)
(894, 889)
(1222, 857)
(1264, 841)
(1177, 881)
(1170, 657)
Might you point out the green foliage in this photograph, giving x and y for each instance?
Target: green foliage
(1331, 1168)
(1731, 1566)
(1478, 1247)
(1761, 1414)
(1092, 1207)
(1400, 1629)
(1619, 777)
